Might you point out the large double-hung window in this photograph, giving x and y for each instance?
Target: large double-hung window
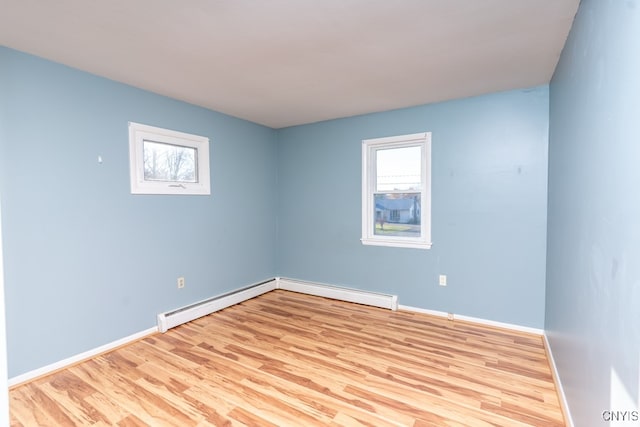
(396, 191)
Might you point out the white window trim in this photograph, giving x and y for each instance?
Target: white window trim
(369, 146)
(138, 133)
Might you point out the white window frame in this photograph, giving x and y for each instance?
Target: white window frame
(139, 133)
(369, 148)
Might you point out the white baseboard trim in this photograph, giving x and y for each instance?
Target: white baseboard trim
(423, 310)
(202, 308)
(339, 293)
(235, 297)
(477, 320)
(556, 378)
(49, 369)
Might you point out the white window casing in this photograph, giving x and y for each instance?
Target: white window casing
(403, 206)
(183, 165)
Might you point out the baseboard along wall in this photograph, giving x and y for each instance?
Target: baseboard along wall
(65, 363)
(470, 319)
(185, 314)
(564, 404)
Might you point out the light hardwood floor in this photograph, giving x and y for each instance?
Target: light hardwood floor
(287, 359)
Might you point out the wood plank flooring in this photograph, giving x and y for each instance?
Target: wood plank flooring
(287, 359)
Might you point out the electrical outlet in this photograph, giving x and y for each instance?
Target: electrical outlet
(443, 280)
(180, 282)
(450, 316)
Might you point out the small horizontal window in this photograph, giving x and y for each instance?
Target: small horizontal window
(164, 161)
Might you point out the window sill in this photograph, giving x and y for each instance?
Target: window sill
(397, 243)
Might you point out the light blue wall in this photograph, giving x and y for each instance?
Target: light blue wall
(489, 177)
(86, 262)
(593, 276)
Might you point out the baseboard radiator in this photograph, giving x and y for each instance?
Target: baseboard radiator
(194, 311)
(171, 319)
(339, 293)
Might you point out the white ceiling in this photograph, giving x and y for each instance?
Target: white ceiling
(289, 62)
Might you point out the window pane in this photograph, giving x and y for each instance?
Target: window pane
(167, 162)
(397, 214)
(398, 169)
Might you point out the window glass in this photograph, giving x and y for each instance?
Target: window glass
(167, 162)
(398, 169)
(397, 214)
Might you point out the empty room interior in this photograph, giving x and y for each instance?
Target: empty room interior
(420, 212)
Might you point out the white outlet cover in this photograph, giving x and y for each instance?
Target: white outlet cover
(443, 280)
